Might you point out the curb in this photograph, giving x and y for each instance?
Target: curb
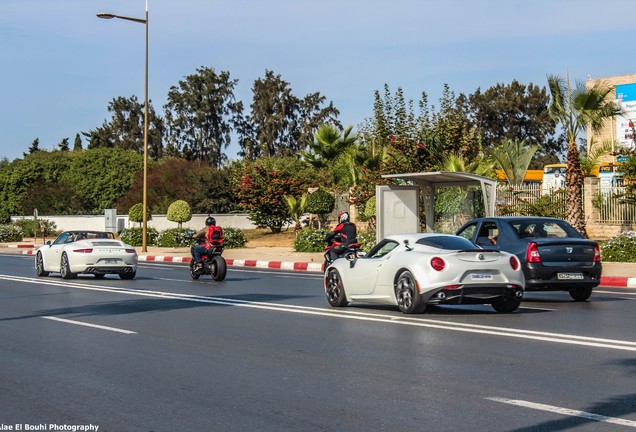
(280, 265)
(606, 281)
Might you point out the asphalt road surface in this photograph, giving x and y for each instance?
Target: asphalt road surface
(263, 351)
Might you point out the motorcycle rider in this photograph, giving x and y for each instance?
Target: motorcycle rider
(207, 238)
(347, 231)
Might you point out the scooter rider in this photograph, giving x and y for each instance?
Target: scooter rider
(206, 238)
(347, 231)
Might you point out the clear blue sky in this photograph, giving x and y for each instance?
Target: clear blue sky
(61, 65)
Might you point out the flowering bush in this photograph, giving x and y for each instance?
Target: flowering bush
(367, 239)
(10, 233)
(175, 237)
(621, 248)
(310, 240)
(233, 238)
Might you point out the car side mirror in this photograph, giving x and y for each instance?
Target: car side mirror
(48, 243)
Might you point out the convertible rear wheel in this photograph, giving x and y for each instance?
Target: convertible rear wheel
(39, 265)
(334, 289)
(65, 268)
(506, 305)
(408, 298)
(581, 293)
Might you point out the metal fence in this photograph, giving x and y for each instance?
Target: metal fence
(608, 202)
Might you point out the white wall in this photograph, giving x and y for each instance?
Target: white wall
(159, 222)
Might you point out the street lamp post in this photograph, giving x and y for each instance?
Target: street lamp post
(144, 241)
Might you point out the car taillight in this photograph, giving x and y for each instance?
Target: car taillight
(83, 250)
(437, 263)
(130, 251)
(597, 253)
(532, 253)
(514, 262)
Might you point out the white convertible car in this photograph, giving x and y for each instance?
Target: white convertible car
(416, 270)
(86, 252)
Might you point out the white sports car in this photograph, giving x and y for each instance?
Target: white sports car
(86, 252)
(416, 270)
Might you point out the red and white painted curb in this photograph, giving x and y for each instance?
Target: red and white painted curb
(281, 265)
(606, 281)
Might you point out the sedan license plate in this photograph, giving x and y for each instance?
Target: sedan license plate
(481, 276)
(570, 276)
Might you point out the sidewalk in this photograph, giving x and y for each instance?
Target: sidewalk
(619, 275)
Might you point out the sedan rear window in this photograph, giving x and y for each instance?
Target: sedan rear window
(447, 242)
(544, 229)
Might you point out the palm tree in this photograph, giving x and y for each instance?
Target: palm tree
(576, 109)
(596, 153)
(513, 157)
(330, 145)
(296, 209)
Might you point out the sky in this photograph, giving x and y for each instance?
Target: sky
(61, 65)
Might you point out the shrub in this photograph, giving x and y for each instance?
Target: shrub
(621, 248)
(10, 233)
(175, 237)
(321, 203)
(31, 228)
(366, 239)
(310, 240)
(179, 212)
(136, 214)
(233, 238)
(133, 236)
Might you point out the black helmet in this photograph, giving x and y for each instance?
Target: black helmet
(210, 221)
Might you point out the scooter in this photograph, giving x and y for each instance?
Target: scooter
(212, 264)
(350, 252)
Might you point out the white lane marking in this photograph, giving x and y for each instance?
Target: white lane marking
(350, 314)
(565, 411)
(101, 327)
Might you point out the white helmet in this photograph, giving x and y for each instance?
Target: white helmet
(343, 217)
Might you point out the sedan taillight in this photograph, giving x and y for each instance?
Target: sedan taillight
(597, 253)
(532, 253)
(87, 250)
(514, 262)
(438, 264)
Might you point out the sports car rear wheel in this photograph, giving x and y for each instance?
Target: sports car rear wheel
(65, 268)
(334, 289)
(506, 305)
(581, 293)
(39, 265)
(408, 298)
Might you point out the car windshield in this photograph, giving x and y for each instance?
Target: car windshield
(447, 242)
(543, 228)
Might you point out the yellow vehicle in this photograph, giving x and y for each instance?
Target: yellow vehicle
(532, 176)
(610, 175)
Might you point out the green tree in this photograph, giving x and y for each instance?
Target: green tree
(199, 115)
(514, 112)
(513, 157)
(63, 145)
(77, 145)
(263, 184)
(296, 209)
(35, 147)
(575, 109)
(179, 212)
(321, 203)
(125, 130)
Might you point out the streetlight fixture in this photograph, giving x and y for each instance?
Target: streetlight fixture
(105, 15)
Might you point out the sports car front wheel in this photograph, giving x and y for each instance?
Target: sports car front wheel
(408, 297)
(334, 289)
(39, 265)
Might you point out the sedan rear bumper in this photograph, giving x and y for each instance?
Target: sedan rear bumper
(561, 278)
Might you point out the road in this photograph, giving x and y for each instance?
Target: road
(263, 351)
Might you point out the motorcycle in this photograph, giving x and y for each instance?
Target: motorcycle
(351, 252)
(212, 264)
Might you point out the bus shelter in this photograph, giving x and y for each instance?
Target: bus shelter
(397, 207)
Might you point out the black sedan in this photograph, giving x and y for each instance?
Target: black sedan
(554, 256)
